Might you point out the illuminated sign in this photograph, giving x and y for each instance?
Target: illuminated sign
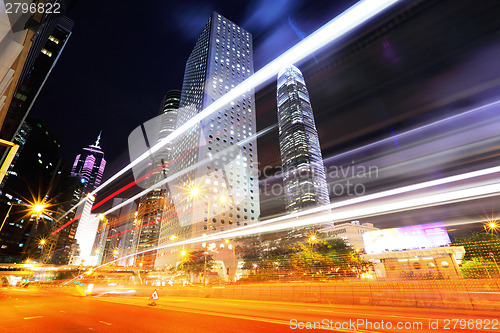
(423, 236)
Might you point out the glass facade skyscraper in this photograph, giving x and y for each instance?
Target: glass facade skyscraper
(89, 165)
(152, 205)
(304, 178)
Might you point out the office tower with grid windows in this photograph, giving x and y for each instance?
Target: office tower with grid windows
(218, 157)
(304, 178)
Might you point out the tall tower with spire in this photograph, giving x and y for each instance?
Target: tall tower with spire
(89, 166)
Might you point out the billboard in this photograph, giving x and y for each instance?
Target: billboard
(423, 236)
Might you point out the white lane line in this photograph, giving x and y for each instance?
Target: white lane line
(33, 317)
(104, 322)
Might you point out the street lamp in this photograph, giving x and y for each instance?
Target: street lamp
(38, 208)
(491, 226)
(35, 209)
(194, 192)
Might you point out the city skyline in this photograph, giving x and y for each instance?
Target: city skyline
(338, 159)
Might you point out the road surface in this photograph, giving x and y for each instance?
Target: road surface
(62, 310)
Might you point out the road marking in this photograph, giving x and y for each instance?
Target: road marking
(33, 317)
(104, 322)
(322, 311)
(227, 315)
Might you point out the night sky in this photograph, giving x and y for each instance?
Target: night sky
(441, 58)
(123, 57)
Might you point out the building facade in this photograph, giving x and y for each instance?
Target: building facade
(351, 233)
(90, 165)
(44, 53)
(85, 235)
(218, 188)
(304, 178)
(32, 177)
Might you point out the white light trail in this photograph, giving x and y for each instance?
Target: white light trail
(188, 169)
(317, 215)
(421, 128)
(346, 22)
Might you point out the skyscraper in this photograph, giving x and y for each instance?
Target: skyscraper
(48, 44)
(33, 176)
(85, 233)
(151, 207)
(304, 180)
(89, 165)
(219, 188)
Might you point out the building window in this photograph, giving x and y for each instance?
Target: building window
(53, 39)
(47, 52)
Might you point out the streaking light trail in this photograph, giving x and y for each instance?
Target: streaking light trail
(373, 207)
(186, 170)
(346, 22)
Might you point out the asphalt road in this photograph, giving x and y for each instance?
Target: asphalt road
(62, 310)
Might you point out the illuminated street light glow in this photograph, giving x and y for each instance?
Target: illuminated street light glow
(491, 226)
(194, 192)
(38, 208)
(42, 242)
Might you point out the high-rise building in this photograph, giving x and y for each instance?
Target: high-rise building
(219, 188)
(126, 231)
(89, 165)
(47, 47)
(33, 176)
(58, 249)
(85, 234)
(304, 180)
(152, 205)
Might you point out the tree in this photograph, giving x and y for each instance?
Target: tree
(479, 249)
(477, 269)
(296, 253)
(194, 262)
(479, 245)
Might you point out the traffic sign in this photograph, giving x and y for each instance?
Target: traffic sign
(491, 255)
(154, 295)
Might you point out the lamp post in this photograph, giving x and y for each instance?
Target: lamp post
(311, 241)
(42, 243)
(194, 193)
(36, 209)
(491, 226)
(232, 248)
